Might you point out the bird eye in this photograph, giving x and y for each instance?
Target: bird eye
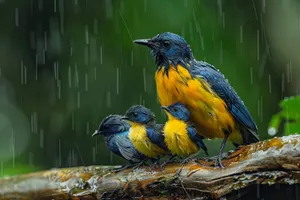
(135, 114)
(175, 109)
(166, 43)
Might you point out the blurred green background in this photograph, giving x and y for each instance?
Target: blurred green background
(66, 64)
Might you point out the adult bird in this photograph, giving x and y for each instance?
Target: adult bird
(144, 133)
(216, 109)
(181, 136)
(116, 135)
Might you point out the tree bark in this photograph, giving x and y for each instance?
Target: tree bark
(275, 161)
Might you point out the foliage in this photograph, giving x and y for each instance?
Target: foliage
(289, 116)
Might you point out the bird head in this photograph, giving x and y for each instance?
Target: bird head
(112, 124)
(139, 114)
(167, 48)
(178, 111)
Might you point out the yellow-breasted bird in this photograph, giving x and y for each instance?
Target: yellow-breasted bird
(181, 136)
(216, 109)
(144, 133)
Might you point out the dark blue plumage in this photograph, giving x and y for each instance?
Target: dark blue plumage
(144, 116)
(224, 90)
(156, 137)
(173, 54)
(115, 132)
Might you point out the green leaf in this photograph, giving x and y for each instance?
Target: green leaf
(290, 115)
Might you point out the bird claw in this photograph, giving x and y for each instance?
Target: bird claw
(140, 164)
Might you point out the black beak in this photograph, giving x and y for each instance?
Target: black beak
(96, 133)
(165, 108)
(145, 42)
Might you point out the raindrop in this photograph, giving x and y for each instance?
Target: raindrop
(186, 3)
(59, 89)
(34, 122)
(256, 16)
(71, 51)
(125, 25)
(86, 82)
(263, 7)
(76, 78)
(86, 34)
(241, 34)
(86, 55)
(251, 75)
(257, 33)
(87, 128)
(282, 83)
(95, 73)
(17, 17)
(70, 77)
(145, 5)
(40, 5)
(101, 55)
(118, 77)
(36, 67)
(25, 75)
(54, 6)
(45, 41)
(42, 138)
(223, 20)
(73, 121)
(270, 84)
(0, 71)
(78, 99)
(258, 107)
(145, 79)
(261, 108)
(108, 99)
(22, 73)
(61, 16)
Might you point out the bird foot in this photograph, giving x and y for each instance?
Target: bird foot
(170, 160)
(140, 164)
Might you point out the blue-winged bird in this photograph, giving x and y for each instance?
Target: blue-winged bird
(116, 135)
(216, 109)
(181, 136)
(144, 133)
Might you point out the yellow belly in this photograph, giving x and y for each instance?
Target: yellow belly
(138, 137)
(208, 112)
(177, 139)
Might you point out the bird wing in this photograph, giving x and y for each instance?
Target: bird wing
(156, 137)
(195, 137)
(126, 148)
(223, 89)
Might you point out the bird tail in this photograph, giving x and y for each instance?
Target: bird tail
(250, 136)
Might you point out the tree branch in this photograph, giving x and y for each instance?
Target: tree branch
(275, 161)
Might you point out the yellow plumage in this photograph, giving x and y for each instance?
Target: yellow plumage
(177, 138)
(208, 112)
(138, 137)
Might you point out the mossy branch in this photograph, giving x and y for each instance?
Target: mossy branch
(275, 161)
